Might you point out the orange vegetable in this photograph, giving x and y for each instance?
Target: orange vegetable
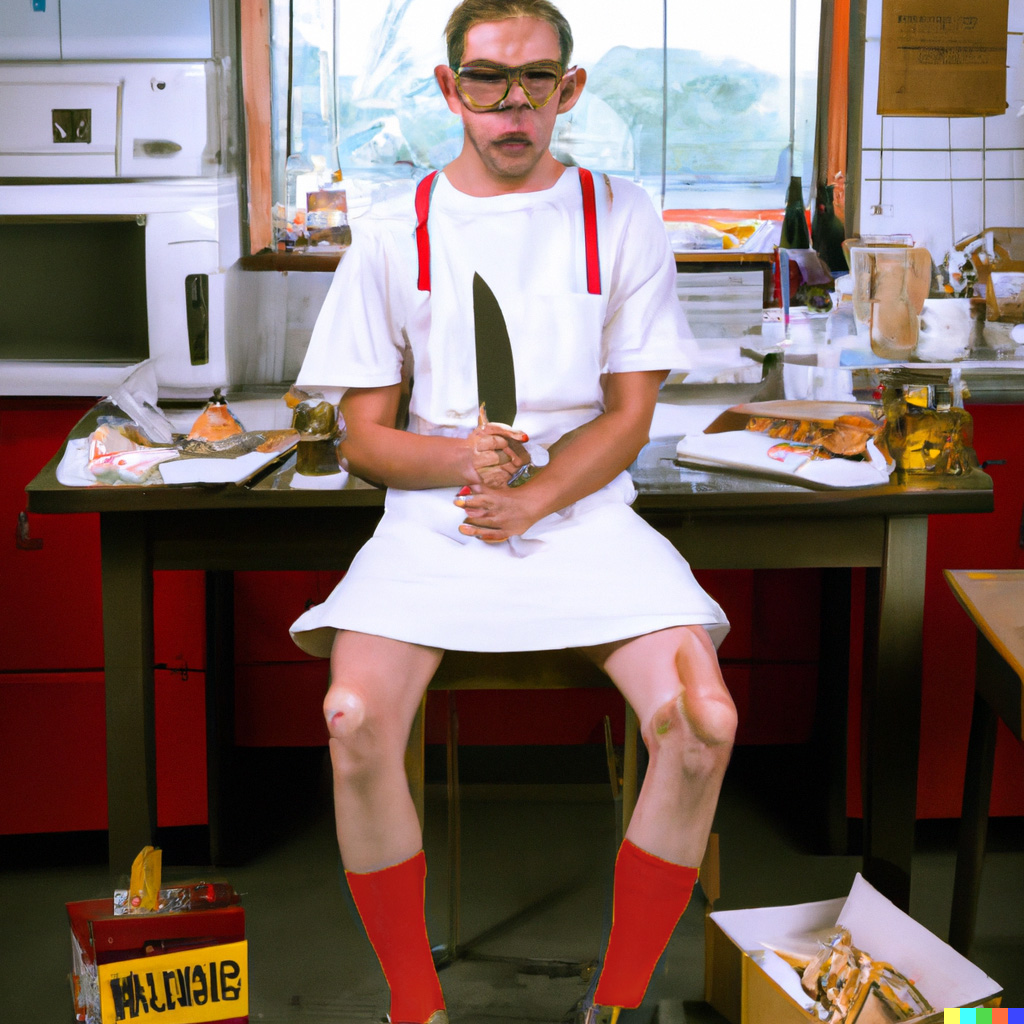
(216, 421)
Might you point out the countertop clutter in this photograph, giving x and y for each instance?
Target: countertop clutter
(897, 304)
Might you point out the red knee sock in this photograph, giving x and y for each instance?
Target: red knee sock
(649, 897)
(390, 903)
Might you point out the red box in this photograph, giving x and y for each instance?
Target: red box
(178, 967)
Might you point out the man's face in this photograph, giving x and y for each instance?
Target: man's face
(510, 142)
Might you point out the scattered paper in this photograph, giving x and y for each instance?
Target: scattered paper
(215, 471)
(747, 451)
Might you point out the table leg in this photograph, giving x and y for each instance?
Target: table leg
(224, 781)
(829, 742)
(970, 853)
(891, 710)
(414, 755)
(454, 832)
(128, 661)
(631, 771)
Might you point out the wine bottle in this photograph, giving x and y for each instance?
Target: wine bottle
(794, 222)
(827, 232)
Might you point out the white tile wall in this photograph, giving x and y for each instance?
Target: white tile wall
(942, 179)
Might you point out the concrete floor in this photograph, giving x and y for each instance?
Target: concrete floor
(535, 884)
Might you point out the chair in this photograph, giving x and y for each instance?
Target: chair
(527, 670)
(993, 601)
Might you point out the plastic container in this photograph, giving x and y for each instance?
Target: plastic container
(327, 226)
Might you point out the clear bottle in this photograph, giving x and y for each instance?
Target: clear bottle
(794, 222)
(841, 325)
(299, 177)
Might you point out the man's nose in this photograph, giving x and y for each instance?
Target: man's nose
(517, 95)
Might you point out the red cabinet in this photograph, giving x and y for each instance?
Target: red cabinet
(990, 541)
(53, 762)
(279, 690)
(50, 598)
(52, 720)
(52, 723)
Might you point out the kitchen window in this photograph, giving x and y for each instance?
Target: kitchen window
(707, 106)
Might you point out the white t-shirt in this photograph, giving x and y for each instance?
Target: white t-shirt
(529, 248)
(591, 573)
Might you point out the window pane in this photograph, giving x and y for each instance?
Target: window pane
(699, 91)
(729, 101)
(390, 109)
(616, 125)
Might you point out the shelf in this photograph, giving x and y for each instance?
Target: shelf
(723, 256)
(323, 262)
(328, 261)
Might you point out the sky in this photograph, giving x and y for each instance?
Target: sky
(755, 30)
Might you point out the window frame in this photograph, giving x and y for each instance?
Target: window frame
(832, 142)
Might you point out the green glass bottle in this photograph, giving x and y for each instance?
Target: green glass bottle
(827, 232)
(794, 222)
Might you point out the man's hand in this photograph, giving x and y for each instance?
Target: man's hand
(581, 462)
(493, 514)
(498, 451)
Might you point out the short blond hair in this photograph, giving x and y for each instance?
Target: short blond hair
(473, 12)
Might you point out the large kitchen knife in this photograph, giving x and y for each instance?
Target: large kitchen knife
(495, 369)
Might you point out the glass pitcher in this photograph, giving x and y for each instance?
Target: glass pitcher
(890, 286)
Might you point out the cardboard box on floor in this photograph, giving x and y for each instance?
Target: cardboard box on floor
(176, 968)
(749, 984)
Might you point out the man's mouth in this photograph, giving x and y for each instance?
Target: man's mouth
(513, 139)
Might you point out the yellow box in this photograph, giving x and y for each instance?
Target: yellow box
(189, 967)
(193, 986)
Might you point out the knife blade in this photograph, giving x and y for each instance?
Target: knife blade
(495, 367)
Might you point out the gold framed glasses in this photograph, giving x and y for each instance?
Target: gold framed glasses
(484, 85)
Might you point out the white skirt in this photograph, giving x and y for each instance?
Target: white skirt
(593, 573)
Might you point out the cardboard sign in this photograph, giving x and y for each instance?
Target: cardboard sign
(943, 60)
(194, 986)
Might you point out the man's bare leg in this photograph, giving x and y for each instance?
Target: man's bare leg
(376, 688)
(688, 721)
(672, 681)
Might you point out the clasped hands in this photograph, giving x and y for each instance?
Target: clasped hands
(495, 511)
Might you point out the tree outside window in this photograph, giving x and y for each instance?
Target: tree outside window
(707, 106)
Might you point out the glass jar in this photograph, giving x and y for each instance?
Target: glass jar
(927, 429)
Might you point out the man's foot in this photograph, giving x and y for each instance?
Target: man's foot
(437, 1017)
(593, 1013)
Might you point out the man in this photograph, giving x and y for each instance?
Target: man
(464, 561)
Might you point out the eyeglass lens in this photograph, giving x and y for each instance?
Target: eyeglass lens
(486, 85)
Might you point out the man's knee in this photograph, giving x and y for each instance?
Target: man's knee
(353, 752)
(345, 712)
(701, 715)
(694, 716)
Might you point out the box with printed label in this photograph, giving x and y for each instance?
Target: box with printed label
(176, 968)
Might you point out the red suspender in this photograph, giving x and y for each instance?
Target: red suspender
(590, 232)
(424, 188)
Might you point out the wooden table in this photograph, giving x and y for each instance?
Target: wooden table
(717, 520)
(993, 602)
